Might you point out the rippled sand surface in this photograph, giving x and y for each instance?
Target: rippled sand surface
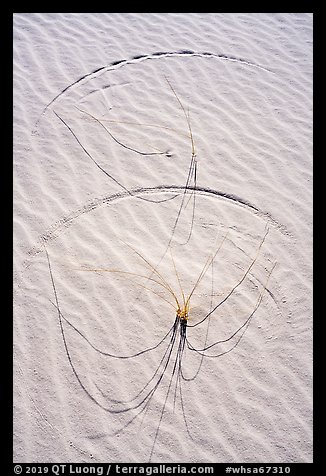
(117, 222)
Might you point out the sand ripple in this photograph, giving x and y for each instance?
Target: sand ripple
(84, 190)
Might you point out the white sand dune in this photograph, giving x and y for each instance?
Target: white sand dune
(105, 195)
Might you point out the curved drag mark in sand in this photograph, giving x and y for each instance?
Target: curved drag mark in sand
(139, 58)
(68, 220)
